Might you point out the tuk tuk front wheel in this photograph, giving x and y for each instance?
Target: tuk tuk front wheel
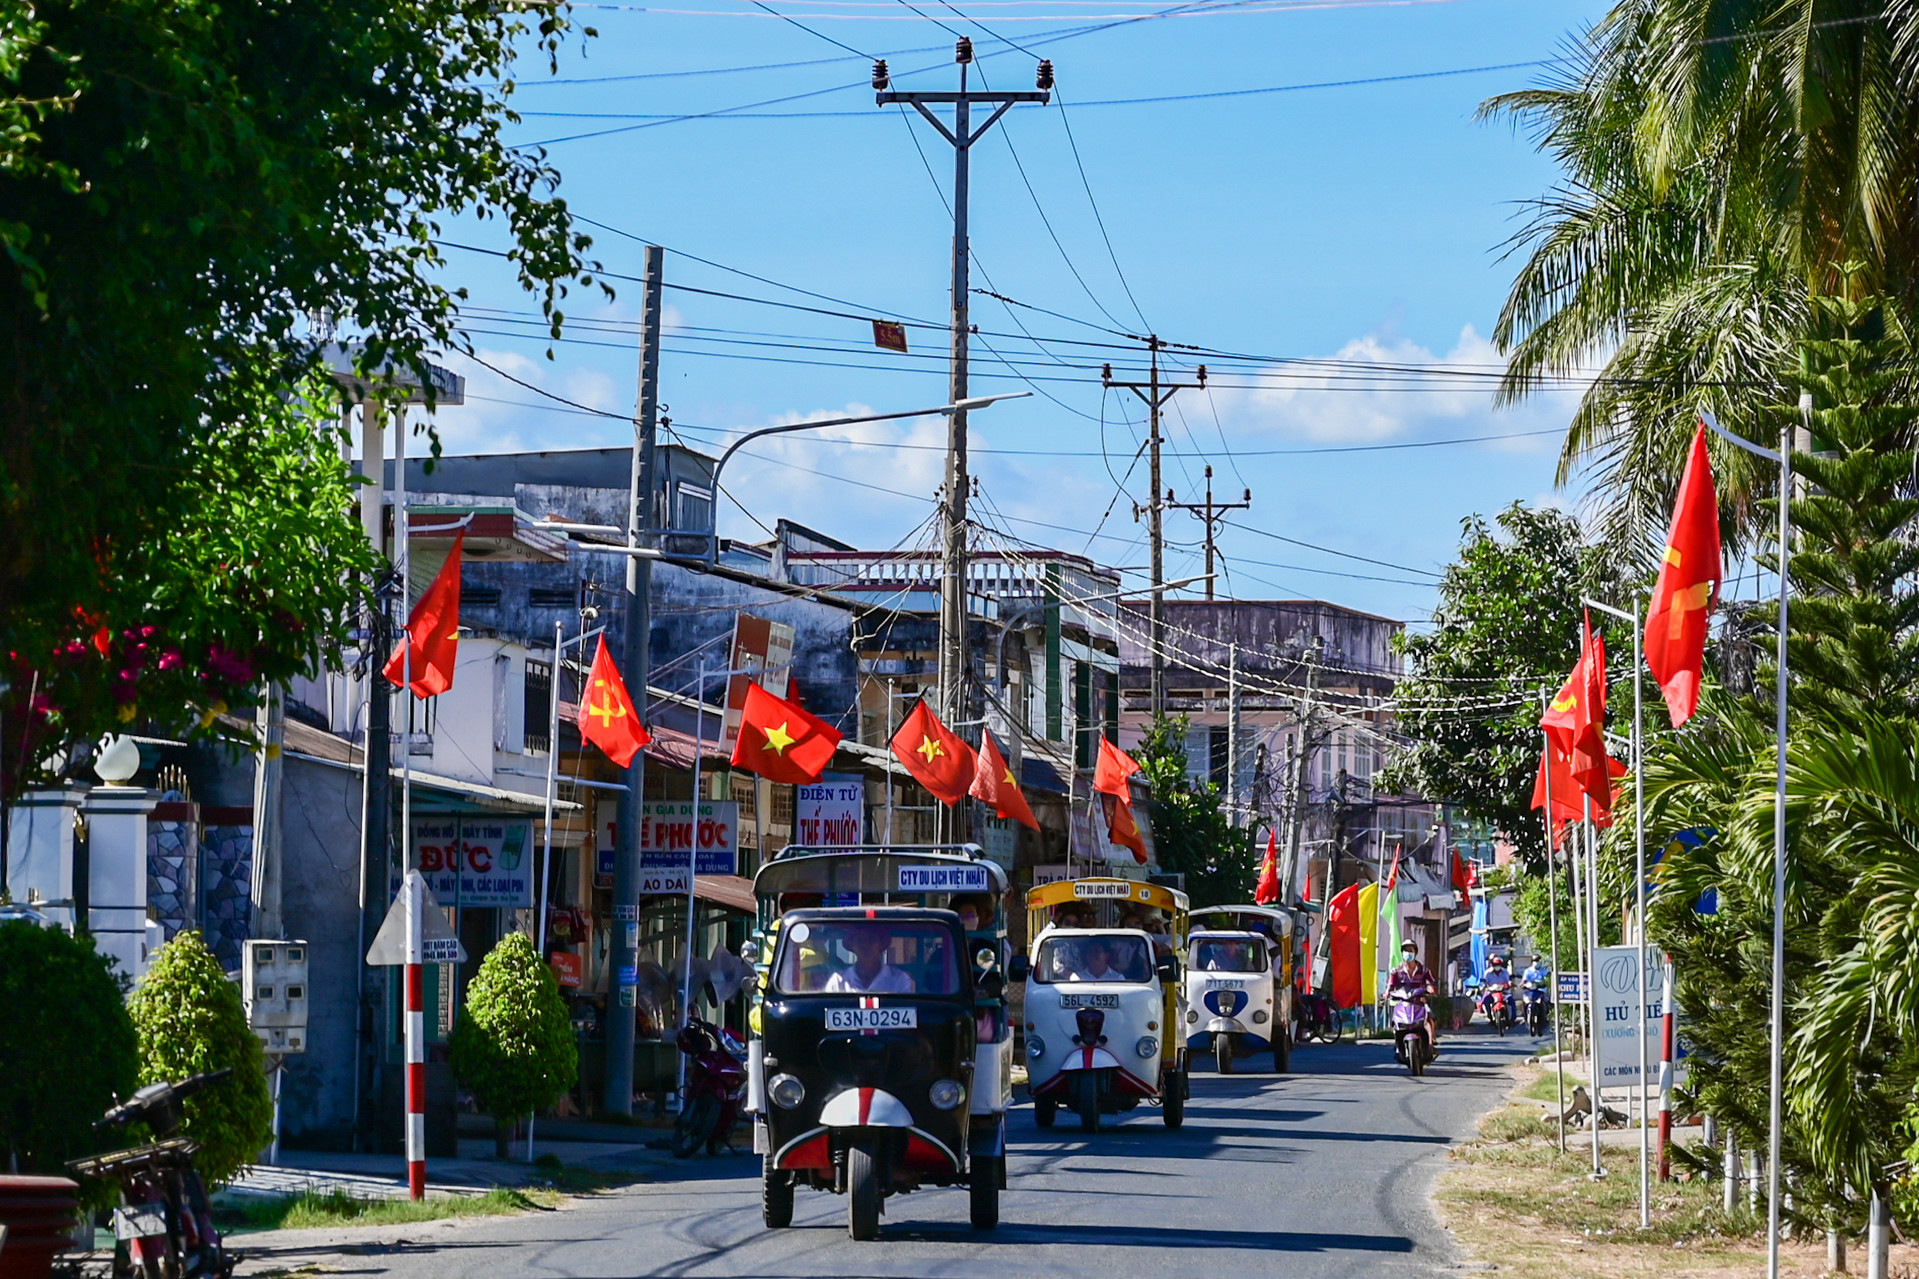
(776, 1196)
(1086, 1100)
(1172, 1094)
(984, 1188)
(1045, 1111)
(862, 1191)
(1223, 1052)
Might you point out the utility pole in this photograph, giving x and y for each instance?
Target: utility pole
(1156, 393)
(637, 658)
(1211, 513)
(1232, 721)
(1301, 767)
(962, 135)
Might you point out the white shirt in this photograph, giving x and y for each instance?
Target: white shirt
(1109, 974)
(887, 981)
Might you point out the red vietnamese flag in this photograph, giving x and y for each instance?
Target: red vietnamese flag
(935, 755)
(607, 716)
(1122, 827)
(994, 786)
(1342, 948)
(1268, 890)
(1576, 720)
(1112, 769)
(423, 660)
(1688, 585)
(781, 740)
(1465, 873)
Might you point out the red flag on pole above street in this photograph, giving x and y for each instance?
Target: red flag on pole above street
(782, 741)
(1268, 890)
(1688, 585)
(1112, 769)
(995, 786)
(935, 755)
(432, 633)
(608, 718)
(1122, 826)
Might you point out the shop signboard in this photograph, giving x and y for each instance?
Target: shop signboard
(474, 860)
(567, 968)
(761, 653)
(831, 811)
(671, 836)
(1622, 1016)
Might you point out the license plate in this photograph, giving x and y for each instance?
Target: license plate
(904, 1018)
(1220, 983)
(142, 1221)
(1089, 1001)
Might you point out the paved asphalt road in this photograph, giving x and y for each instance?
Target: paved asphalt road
(1321, 1173)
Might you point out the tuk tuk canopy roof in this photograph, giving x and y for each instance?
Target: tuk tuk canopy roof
(903, 870)
(1280, 919)
(1134, 891)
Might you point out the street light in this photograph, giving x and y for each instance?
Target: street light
(1776, 1111)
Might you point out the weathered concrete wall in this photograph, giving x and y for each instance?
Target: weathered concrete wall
(1267, 632)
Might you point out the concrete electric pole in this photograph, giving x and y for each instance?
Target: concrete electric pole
(962, 135)
(1156, 393)
(1211, 513)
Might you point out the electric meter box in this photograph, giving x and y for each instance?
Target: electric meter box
(273, 981)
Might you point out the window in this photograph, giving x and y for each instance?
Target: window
(883, 957)
(551, 597)
(479, 596)
(783, 806)
(1229, 955)
(537, 701)
(696, 508)
(1096, 957)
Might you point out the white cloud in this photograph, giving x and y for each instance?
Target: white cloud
(801, 475)
(500, 415)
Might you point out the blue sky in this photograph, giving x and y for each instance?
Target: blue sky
(1361, 223)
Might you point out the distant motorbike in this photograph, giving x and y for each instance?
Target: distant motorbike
(1498, 1005)
(715, 1088)
(165, 1226)
(1538, 1008)
(1412, 1027)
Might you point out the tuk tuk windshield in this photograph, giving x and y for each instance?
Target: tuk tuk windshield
(881, 957)
(1094, 957)
(1229, 955)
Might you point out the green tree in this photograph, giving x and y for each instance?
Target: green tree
(182, 187)
(513, 1047)
(190, 1019)
(1507, 627)
(67, 1049)
(1192, 834)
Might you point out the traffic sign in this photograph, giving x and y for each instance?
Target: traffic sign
(1573, 988)
(437, 942)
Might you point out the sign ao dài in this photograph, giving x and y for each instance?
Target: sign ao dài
(473, 860)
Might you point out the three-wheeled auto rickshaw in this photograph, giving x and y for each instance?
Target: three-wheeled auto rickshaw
(881, 1059)
(1239, 984)
(1102, 996)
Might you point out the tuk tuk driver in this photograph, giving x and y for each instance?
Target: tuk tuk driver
(1416, 977)
(869, 973)
(1229, 957)
(1096, 962)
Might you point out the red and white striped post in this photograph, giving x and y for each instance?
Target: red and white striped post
(412, 893)
(1665, 1081)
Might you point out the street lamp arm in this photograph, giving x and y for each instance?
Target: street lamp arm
(1712, 424)
(977, 402)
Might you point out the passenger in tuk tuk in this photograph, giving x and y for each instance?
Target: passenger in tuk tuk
(1110, 959)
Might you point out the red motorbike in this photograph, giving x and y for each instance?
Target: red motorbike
(1498, 1005)
(715, 1088)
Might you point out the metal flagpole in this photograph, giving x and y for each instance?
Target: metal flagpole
(1592, 970)
(1552, 908)
(693, 858)
(1639, 897)
(552, 785)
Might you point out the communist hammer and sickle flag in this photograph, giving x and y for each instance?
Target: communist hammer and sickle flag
(607, 716)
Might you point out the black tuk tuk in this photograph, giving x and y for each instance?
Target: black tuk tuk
(880, 1059)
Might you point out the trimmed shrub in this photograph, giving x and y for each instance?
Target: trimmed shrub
(513, 1044)
(190, 1018)
(67, 1047)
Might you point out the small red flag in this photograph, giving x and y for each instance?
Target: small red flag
(1268, 890)
(995, 787)
(782, 741)
(935, 755)
(1465, 873)
(607, 716)
(1576, 720)
(1122, 827)
(1688, 585)
(432, 641)
(1112, 769)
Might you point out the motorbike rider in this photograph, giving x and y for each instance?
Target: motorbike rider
(1537, 977)
(1416, 979)
(1497, 980)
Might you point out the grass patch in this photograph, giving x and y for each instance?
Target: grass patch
(1546, 1088)
(334, 1208)
(1516, 1122)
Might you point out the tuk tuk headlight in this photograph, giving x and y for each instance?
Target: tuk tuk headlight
(1035, 1047)
(1147, 1046)
(946, 1094)
(786, 1091)
(1259, 1016)
(1192, 1015)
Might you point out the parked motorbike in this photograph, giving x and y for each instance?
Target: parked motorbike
(164, 1227)
(1412, 1027)
(715, 1088)
(1316, 1018)
(1537, 1007)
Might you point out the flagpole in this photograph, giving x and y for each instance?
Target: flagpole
(552, 785)
(1639, 896)
(403, 551)
(1592, 967)
(1577, 904)
(693, 861)
(1552, 914)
